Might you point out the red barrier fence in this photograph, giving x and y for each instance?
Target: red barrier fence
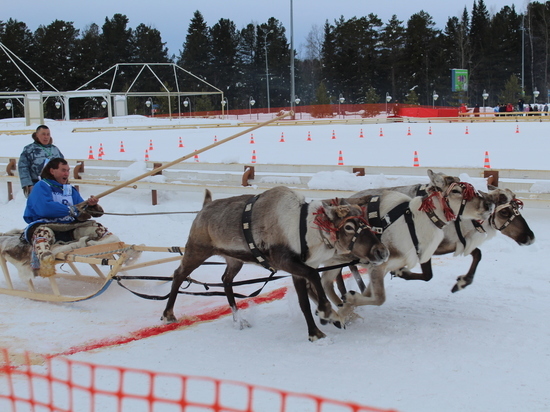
(329, 111)
(63, 385)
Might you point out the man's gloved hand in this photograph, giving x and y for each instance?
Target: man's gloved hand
(86, 212)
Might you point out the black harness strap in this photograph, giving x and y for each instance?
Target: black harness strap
(303, 230)
(378, 223)
(412, 230)
(247, 231)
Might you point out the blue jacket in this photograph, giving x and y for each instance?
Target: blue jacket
(32, 161)
(51, 202)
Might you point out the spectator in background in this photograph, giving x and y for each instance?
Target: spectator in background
(509, 108)
(476, 110)
(520, 105)
(35, 156)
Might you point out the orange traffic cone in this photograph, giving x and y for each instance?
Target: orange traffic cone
(101, 152)
(381, 133)
(100, 155)
(122, 147)
(333, 135)
(196, 157)
(517, 128)
(430, 130)
(487, 162)
(253, 156)
(146, 155)
(282, 137)
(181, 143)
(361, 134)
(409, 132)
(308, 137)
(340, 159)
(416, 163)
(466, 132)
(91, 154)
(151, 145)
(251, 138)
(215, 138)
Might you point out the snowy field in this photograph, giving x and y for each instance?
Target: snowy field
(486, 348)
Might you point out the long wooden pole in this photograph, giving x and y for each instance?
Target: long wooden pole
(196, 152)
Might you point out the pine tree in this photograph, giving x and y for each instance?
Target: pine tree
(56, 44)
(421, 53)
(392, 38)
(196, 56)
(19, 40)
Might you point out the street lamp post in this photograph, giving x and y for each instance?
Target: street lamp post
(251, 103)
(267, 71)
(388, 99)
(340, 101)
(9, 106)
(225, 102)
(187, 103)
(434, 97)
(485, 96)
(149, 103)
(297, 101)
(59, 105)
(535, 95)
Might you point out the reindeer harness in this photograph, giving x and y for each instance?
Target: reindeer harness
(381, 223)
(321, 220)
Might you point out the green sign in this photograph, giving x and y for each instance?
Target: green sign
(459, 80)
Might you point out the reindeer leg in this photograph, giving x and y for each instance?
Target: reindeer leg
(300, 284)
(233, 267)
(426, 274)
(375, 293)
(189, 262)
(468, 278)
(298, 269)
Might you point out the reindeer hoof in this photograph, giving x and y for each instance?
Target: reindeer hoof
(316, 336)
(167, 319)
(323, 321)
(461, 283)
(339, 325)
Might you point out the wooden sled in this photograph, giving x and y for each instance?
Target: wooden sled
(105, 260)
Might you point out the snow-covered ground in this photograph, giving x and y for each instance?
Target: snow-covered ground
(486, 348)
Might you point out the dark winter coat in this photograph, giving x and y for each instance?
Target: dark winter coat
(32, 160)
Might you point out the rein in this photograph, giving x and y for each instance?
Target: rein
(146, 214)
(207, 286)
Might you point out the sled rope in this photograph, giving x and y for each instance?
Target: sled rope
(147, 214)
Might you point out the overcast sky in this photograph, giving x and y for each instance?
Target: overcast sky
(172, 17)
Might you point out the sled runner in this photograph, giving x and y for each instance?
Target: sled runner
(83, 273)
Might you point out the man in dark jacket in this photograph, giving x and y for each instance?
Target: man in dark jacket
(35, 156)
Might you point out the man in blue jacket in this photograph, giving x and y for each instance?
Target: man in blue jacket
(53, 215)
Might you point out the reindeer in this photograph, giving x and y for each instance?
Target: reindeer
(411, 228)
(465, 236)
(281, 232)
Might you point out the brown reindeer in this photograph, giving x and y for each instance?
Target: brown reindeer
(272, 236)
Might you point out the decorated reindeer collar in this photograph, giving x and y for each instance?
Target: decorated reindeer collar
(428, 205)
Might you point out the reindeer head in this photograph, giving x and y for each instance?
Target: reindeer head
(507, 218)
(457, 198)
(349, 231)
